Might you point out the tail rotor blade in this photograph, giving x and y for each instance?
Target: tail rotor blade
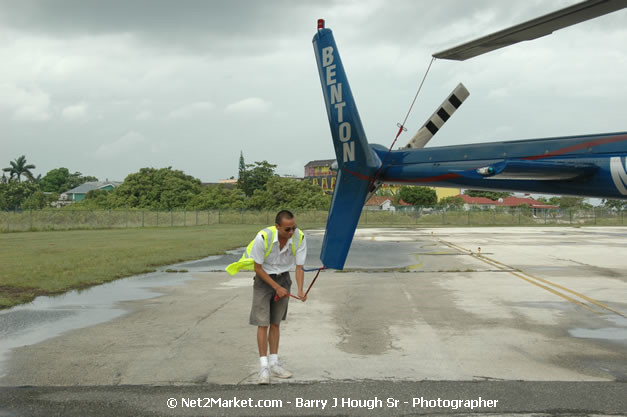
(437, 119)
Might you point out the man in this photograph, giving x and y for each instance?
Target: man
(272, 263)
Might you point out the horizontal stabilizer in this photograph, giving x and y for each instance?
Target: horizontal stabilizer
(533, 170)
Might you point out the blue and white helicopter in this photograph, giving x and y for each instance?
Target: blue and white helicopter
(585, 165)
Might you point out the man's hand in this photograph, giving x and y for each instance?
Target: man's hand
(282, 292)
(302, 296)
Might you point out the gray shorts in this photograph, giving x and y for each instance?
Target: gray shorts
(265, 310)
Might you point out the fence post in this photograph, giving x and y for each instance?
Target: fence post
(241, 216)
(8, 220)
(519, 210)
(494, 217)
(31, 220)
(208, 217)
(218, 216)
(469, 210)
(196, 217)
(109, 218)
(142, 218)
(621, 216)
(171, 218)
(594, 215)
(544, 216)
(184, 217)
(157, 218)
(127, 218)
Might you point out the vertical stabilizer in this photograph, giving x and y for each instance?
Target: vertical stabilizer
(356, 162)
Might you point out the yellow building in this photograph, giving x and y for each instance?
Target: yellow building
(446, 192)
(320, 173)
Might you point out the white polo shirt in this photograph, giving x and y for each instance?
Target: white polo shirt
(278, 260)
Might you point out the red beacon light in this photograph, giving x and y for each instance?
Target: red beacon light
(320, 24)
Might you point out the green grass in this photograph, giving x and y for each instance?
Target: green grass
(45, 263)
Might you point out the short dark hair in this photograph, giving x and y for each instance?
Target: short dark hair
(283, 214)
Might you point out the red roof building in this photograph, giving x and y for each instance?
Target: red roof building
(505, 202)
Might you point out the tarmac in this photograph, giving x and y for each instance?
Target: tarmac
(535, 318)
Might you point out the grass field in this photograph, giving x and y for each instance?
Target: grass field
(45, 263)
(53, 262)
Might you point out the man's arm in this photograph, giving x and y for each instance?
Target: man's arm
(301, 255)
(280, 291)
(300, 279)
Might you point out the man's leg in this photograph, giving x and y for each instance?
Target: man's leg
(262, 340)
(260, 316)
(262, 344)
(273, 338)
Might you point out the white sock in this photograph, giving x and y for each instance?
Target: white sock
(274, 359)
(263, 361)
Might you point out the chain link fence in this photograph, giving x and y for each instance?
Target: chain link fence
(54, 219)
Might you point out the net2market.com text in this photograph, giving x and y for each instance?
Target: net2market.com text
(334, 402)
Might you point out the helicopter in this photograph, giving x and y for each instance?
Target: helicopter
(590, 165)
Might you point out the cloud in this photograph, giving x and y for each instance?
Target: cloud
(190, 111)
(129, 142)
(75, 112)
(249, 105)
(144, 115)
(25, 104)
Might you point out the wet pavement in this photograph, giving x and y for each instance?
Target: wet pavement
(412, 306)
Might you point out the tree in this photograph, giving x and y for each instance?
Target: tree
(418, 196)
(162, 189)
(242, 168)
(255, 177)
(39, 200)
(615, 204)
(13, 194)
(19, 167)
(453, 201)
(492, 195)
(289, 193)
(566, 202)
(60, 180)
(218, 197)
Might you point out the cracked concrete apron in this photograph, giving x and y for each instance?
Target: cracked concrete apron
(415, 304)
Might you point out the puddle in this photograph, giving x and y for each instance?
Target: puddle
(211, 263)
(618, 333)
(50, 316)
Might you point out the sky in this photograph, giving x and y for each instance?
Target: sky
(106, 88)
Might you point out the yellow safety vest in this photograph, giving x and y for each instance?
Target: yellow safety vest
(246, 262)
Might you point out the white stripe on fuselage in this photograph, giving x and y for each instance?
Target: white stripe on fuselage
(618, 170)
(336, 98)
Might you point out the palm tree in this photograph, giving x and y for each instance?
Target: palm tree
(19, 168)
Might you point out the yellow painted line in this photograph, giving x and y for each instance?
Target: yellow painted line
(501, 265)
(414, 266)
(546, 281)
(559, 294)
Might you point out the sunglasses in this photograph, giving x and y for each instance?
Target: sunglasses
(289, 229)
